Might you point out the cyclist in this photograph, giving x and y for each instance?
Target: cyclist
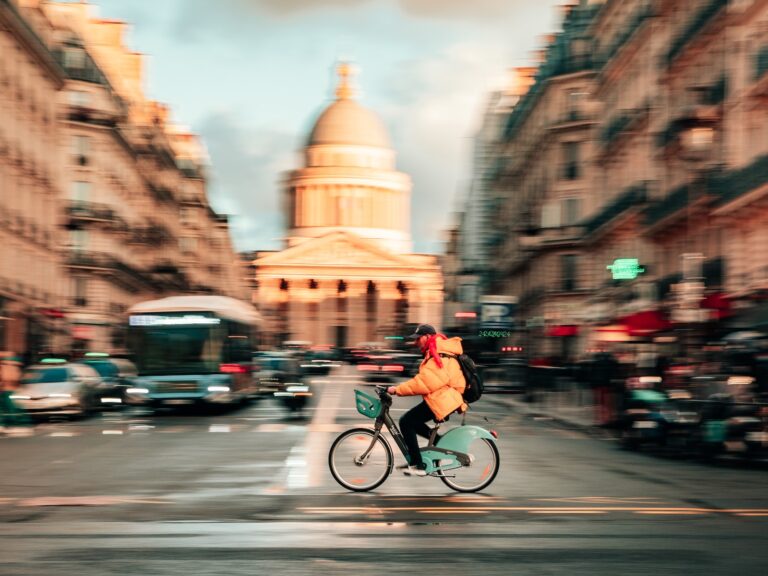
(439, 381)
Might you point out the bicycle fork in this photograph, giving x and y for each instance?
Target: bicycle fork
(381, 421)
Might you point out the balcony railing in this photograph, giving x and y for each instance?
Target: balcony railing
(154, 234)
(541, 238)
(694, 27)
(636, 21)
(678, 199)
(90, 211)
(109, 262)
(615, 127)
(559, 60)
(87, 259)
(761, 62)
(632, 196)
(735, 183)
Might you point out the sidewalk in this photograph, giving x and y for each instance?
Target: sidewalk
(570, 405)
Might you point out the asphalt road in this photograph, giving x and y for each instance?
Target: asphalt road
(248, 492)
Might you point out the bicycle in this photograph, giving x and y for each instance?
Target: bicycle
(465, 458)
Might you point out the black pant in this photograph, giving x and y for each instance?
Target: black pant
(413, 423)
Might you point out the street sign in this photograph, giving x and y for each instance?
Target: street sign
(497, 312)
(625, 268)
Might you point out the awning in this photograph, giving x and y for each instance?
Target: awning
(644, 323)
(718, 303)
(611, 333)
(562, 330)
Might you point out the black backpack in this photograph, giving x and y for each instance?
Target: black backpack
(474, 387)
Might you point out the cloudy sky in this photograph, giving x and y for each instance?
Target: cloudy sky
(251, 76)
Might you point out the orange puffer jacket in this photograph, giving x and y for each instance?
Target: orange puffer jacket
(441, 387)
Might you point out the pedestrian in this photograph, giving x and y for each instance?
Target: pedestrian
(604, 371)
(440, 382)
(12, 419)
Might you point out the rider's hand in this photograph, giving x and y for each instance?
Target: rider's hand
(391, 390)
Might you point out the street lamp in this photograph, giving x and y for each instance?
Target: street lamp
(696, 145)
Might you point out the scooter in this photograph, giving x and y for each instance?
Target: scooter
(294, 396)
(733, 424)
(663, 420)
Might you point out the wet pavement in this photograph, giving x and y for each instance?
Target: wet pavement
(248, 492)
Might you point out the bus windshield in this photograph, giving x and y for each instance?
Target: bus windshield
(178, 349)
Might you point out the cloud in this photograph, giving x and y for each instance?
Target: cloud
(475, 9)
(246, 165)
(295, 6)
(433, 129)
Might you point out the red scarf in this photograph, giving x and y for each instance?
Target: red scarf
(430, 348)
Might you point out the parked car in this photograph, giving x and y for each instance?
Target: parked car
(117, 375)
(734, 423)
(56, 386)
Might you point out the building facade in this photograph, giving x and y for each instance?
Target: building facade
(544, 185)
(32, 287)
(347, 274)
(129, 219)
(654, 217)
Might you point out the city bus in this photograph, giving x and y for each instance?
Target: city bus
(192, 350)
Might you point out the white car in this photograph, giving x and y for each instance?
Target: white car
(58, 387)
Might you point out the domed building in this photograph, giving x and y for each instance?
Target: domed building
(347, 274)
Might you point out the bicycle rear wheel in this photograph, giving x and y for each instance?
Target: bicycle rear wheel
(356, 467)
(480, 473)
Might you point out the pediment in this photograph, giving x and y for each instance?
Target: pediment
(335, 249)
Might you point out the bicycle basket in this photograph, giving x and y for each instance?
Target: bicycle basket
(367, 405)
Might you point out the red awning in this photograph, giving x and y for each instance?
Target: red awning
(646, 322)
(562, 330)
(719, 303)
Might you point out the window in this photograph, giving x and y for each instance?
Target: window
(568, 264)
(550, 215)
(571, 160)
(74, 58)
(187, 244)
(573, 102)
(80, 291)
(81, 192)
(79, 98)
(571, 211)
(186, 215)
(80, 149)
(78, 239)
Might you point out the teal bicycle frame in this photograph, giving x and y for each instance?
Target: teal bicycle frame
(451, 453)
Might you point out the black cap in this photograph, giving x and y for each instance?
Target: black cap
(423, 330)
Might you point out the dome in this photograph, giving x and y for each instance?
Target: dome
(347, 122)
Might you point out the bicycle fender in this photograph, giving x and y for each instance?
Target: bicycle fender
(458, 439)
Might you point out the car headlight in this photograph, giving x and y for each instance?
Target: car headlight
(137, 390)
(297, 389)
(218, 388)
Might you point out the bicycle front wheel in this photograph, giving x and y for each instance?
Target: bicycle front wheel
(359, 461)
(480, 473)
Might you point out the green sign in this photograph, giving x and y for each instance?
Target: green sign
(625, 268)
